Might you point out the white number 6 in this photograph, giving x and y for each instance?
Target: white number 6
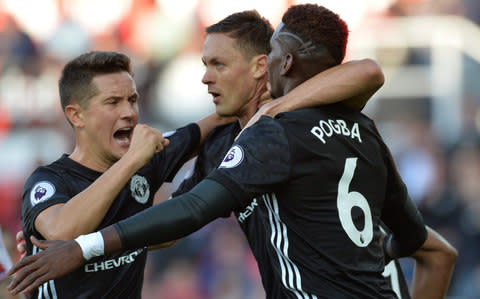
(345, 203)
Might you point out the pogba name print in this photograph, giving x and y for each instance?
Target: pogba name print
(329, 127)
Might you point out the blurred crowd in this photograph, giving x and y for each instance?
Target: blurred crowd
(442, 173)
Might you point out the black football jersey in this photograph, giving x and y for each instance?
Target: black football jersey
(317, 234)
(118, 275)
(211, 154)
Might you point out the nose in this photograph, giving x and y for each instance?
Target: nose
(207, 77)
(129, 110)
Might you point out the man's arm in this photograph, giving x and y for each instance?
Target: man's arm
(68, 220)
(434, 263)
(211, 121)
(207, 124)
(353, 83)
(434, 256)
(164, 222)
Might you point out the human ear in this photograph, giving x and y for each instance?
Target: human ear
(260, 66)
(287, 63)
(74, 114)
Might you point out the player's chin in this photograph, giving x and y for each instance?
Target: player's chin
(225, 111)
(118, 152)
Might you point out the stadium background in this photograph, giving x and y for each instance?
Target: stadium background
(428, 111)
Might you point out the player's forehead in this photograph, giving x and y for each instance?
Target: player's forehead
(220, 46)
(115, 84)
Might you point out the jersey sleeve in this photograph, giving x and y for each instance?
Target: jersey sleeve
(215, 147)
(43, 189)
(183, 142)
(258, 162)
(400, 213)
(195, 177)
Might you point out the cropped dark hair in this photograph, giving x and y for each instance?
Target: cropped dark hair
(77, 75)
(320, 25)
(251, 31)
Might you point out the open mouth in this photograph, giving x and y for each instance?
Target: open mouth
(123, 135)
(215, 96)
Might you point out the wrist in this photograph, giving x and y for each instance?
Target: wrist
(131, 162)
(92, 245)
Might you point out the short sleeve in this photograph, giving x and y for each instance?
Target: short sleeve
(43, 189)
(210, 156)
(400, 213)
(258, 162)
(183, 142)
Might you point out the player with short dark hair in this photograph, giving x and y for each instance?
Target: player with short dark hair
(241, 42)
(75, 84)
(113, 172)
(251, 31)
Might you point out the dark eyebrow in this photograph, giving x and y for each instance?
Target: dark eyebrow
(116, 98)
(134, 95)
(211, 60)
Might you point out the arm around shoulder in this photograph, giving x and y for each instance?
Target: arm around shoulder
(352, 83)
(358, 81)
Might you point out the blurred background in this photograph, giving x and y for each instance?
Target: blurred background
(428, 112)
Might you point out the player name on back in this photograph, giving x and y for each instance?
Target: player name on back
(326, 129)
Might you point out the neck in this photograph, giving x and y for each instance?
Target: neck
(291, 84)
(89, 160)
(247, 112)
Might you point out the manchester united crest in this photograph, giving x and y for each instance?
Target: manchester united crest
(140, 188)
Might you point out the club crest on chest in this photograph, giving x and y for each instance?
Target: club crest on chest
(140, 188)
